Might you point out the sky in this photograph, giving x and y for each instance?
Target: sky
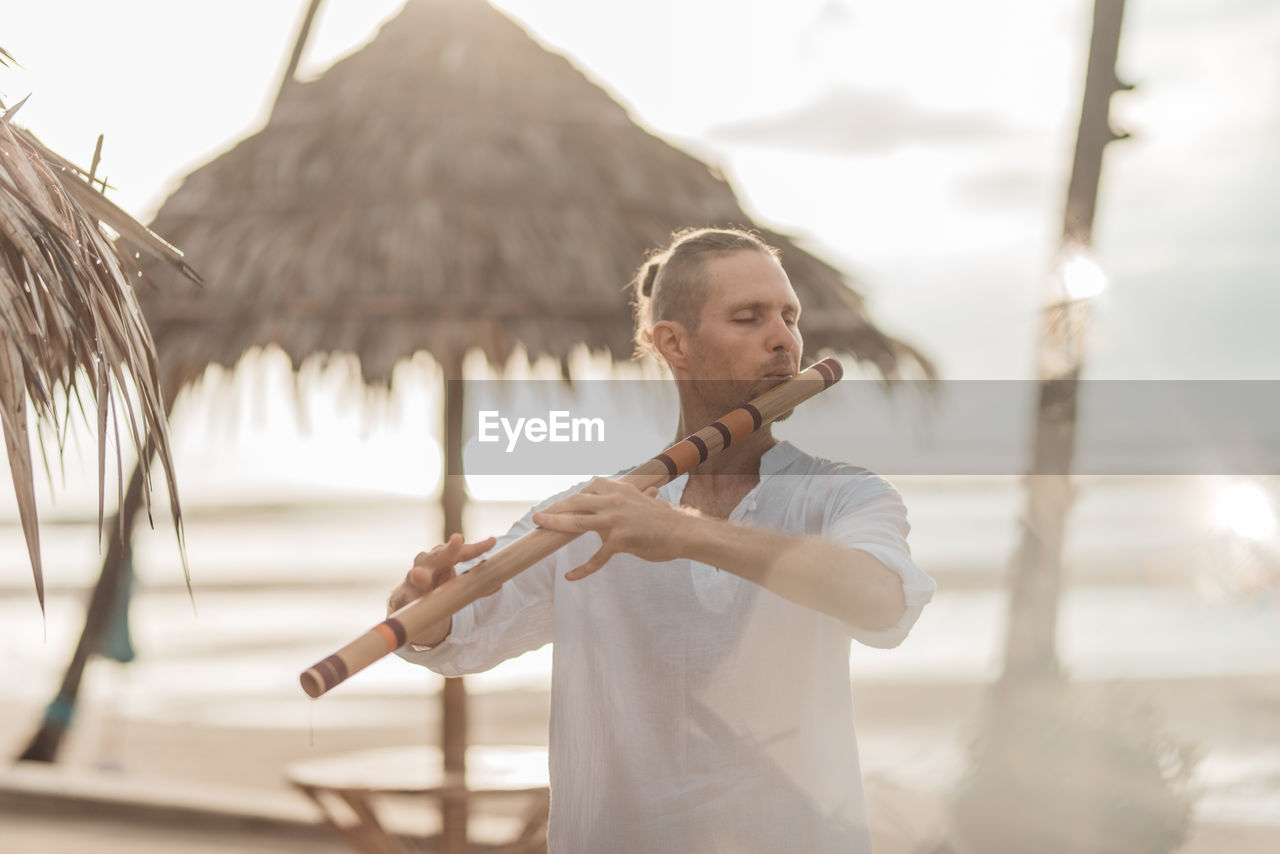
(923, 145)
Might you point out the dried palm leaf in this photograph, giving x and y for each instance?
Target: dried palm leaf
(67, 310)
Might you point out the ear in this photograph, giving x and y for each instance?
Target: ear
(671, 340)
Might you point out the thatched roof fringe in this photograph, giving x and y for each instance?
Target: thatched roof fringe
(67, 308)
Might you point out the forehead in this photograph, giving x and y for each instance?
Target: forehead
(746, 278)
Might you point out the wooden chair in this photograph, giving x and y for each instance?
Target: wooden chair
(356, 780)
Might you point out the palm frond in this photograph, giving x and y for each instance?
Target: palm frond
(67, 310)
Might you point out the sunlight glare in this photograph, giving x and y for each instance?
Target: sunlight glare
(1244, 509)
(1082, 277)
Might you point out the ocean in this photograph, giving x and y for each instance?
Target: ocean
(1156, 587)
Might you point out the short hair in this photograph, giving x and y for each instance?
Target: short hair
(670, 285)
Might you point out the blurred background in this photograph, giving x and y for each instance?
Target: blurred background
(923, 149)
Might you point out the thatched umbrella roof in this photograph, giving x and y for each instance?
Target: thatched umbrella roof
(67, 308)
(452, 185)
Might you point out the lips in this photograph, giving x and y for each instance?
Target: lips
(777, 379)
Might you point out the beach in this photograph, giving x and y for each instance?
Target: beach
(212, 700)
(912, 739)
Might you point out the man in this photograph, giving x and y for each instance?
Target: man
(700, 689)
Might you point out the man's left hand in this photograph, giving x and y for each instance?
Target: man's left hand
(626, 519)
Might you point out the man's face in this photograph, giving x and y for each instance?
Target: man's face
(747, 331)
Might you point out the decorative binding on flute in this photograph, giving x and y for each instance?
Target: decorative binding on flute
(726, 437)
(688, 453)
(830, 370)
(332, 671)
(393, 632)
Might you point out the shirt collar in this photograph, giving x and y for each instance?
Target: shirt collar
(772, 461)
(777, 458)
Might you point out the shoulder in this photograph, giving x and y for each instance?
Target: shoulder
(835, 478)
(838, 496)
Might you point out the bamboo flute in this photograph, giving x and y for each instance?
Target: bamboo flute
(483, 578)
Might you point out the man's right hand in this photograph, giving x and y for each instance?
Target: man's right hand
(430, 570)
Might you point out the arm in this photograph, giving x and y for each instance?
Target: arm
(844, 582)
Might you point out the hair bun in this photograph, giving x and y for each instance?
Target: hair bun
(650, 275)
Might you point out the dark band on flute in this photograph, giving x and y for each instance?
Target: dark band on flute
(724, 433)
(672, 469)
(394, 633)
(829, 375)
(697, 442)
(332, 670)
(757, 420)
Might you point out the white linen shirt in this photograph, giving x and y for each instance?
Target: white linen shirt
(692, 710)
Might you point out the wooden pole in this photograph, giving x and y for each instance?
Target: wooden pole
(1030, 644)
(453, 729)
(60, 712)
(1026, 790)
(299, 44)
(1095, 131)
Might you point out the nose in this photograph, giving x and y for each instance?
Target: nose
(782, 337)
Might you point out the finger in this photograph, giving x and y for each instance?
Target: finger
(426, 578)
(444, 554)
(472, 550)
(430, 558)
(397, 600)
(599, 559)
(609, 486)
(596, 486)
(570, 523)
(576, 503)
(449, 549)
(652, 492)
(418, 582)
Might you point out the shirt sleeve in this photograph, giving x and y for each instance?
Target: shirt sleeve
(500, 626)
(867, 513)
